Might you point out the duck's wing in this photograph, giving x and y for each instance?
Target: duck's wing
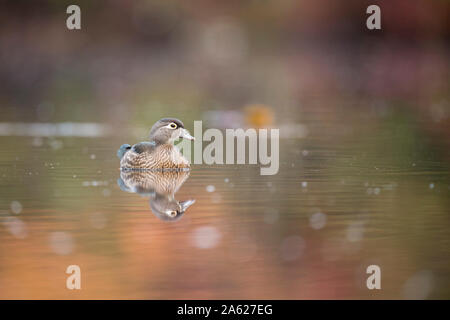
(123, 186)
(143, 147)
(122, 150)
(134, 188)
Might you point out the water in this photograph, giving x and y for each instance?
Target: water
(353, 193)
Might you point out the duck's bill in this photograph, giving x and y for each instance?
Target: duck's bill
(186, 135)
(186, 204)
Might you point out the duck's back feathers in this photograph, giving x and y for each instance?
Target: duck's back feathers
(144, 147)
(150, 155)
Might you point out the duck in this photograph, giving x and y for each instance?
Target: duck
(160, 188)
(159, 152)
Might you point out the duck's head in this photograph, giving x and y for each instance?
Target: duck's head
(167, 130)
(169, 209)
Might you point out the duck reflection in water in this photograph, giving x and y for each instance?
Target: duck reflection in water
(160, 187)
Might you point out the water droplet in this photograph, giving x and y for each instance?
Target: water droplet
(206, 237)
(355, 231)
(304, 184)
(16, 207)
(94, 183)
(16, 227)
(210, 188)
(419, 286)
(37, 142)
(61, 243)
(318, 220)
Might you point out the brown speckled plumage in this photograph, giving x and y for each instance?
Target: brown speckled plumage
(160, 187)
(159, 152)
(165, 183)
(164, 156)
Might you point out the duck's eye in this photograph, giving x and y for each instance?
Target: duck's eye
(173, 125)
(172, 213)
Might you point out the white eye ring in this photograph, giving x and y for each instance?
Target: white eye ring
(172, 214)
(172, 125)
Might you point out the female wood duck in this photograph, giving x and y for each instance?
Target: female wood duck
(159, 152)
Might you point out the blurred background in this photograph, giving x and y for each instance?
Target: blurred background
(364, 155)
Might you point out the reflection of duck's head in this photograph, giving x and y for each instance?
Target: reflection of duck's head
(168, 208)
(160, 187)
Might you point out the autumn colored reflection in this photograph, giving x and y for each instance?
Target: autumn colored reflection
(363, 179)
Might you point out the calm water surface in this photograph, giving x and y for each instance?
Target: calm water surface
(347, 196)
